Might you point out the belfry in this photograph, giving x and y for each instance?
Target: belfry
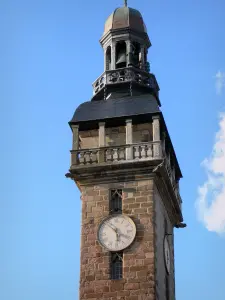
(125, 166)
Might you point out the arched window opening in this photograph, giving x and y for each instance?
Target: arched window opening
(108, 58)
(121, 57)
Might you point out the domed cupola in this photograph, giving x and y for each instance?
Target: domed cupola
(125, 17)
(125, 43)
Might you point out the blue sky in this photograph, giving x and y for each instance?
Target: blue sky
(49, 57)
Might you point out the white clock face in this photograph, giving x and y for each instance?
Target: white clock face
(116, 232)
(167, 254)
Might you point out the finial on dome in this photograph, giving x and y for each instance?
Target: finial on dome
(125, 3)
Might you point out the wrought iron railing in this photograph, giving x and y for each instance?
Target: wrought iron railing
(129, 74)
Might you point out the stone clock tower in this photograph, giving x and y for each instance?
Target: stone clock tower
(125, 166)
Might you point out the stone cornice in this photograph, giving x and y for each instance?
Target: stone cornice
(103, 173)
(131, 171)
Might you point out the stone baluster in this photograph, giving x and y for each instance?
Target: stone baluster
(81, 158)
(115, 154)
(156, 137)
(94, 156)
(109, 156)
(143, 151)
(75, 146)
(121, 153)
(136, 152)
(87, 157)
(129, 139)
(149, 150)
(101, 132)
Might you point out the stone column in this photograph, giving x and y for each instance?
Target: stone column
(75, 146)
(128, 51)
(101, 134)
(163, 138)
(143, 58)
(113, 55)
(156, 137)
(105, 51)
(129, 139)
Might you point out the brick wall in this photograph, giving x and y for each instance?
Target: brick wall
(138, 267)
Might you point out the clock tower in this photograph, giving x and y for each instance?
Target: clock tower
(125, 166)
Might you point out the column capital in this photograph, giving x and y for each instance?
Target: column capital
(156, 117)
(101, 124)
(128, 121)
(75, 126)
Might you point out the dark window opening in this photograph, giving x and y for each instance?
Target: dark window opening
(115, 201)
(145, 136)
(121, 55)
(167, 287)
(108, 59)
(116, 266)
(167, 276)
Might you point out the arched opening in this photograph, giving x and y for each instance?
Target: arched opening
(108, 59)
(121, 57)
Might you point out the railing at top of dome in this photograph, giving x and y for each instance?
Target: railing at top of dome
(129, 74)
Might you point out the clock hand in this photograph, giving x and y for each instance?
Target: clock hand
(124, 235)
(113, 227)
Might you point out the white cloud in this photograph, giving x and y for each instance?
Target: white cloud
(220, 82)
(211, 195)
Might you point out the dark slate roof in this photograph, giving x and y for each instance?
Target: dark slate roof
(115, 108)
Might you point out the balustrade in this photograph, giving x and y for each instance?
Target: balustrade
(114, 154)
(171, 173)
(125, 75)
(144, 151)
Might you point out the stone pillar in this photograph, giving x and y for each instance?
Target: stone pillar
(101, 134)
(105, 51)
(156, 137)
(75, 129)
(128, 44)
(75, 146)
(113, 55)
(163, 138)
(143, 58)
(129, 139)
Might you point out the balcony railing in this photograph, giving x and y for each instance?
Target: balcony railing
(129, 74)
(125, 153)
(113, 154)
(171, 174)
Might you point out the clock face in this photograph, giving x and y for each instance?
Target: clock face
(116, 232)
(167, 254)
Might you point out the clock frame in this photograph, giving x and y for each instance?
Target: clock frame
(167, 254)
(116, 232)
